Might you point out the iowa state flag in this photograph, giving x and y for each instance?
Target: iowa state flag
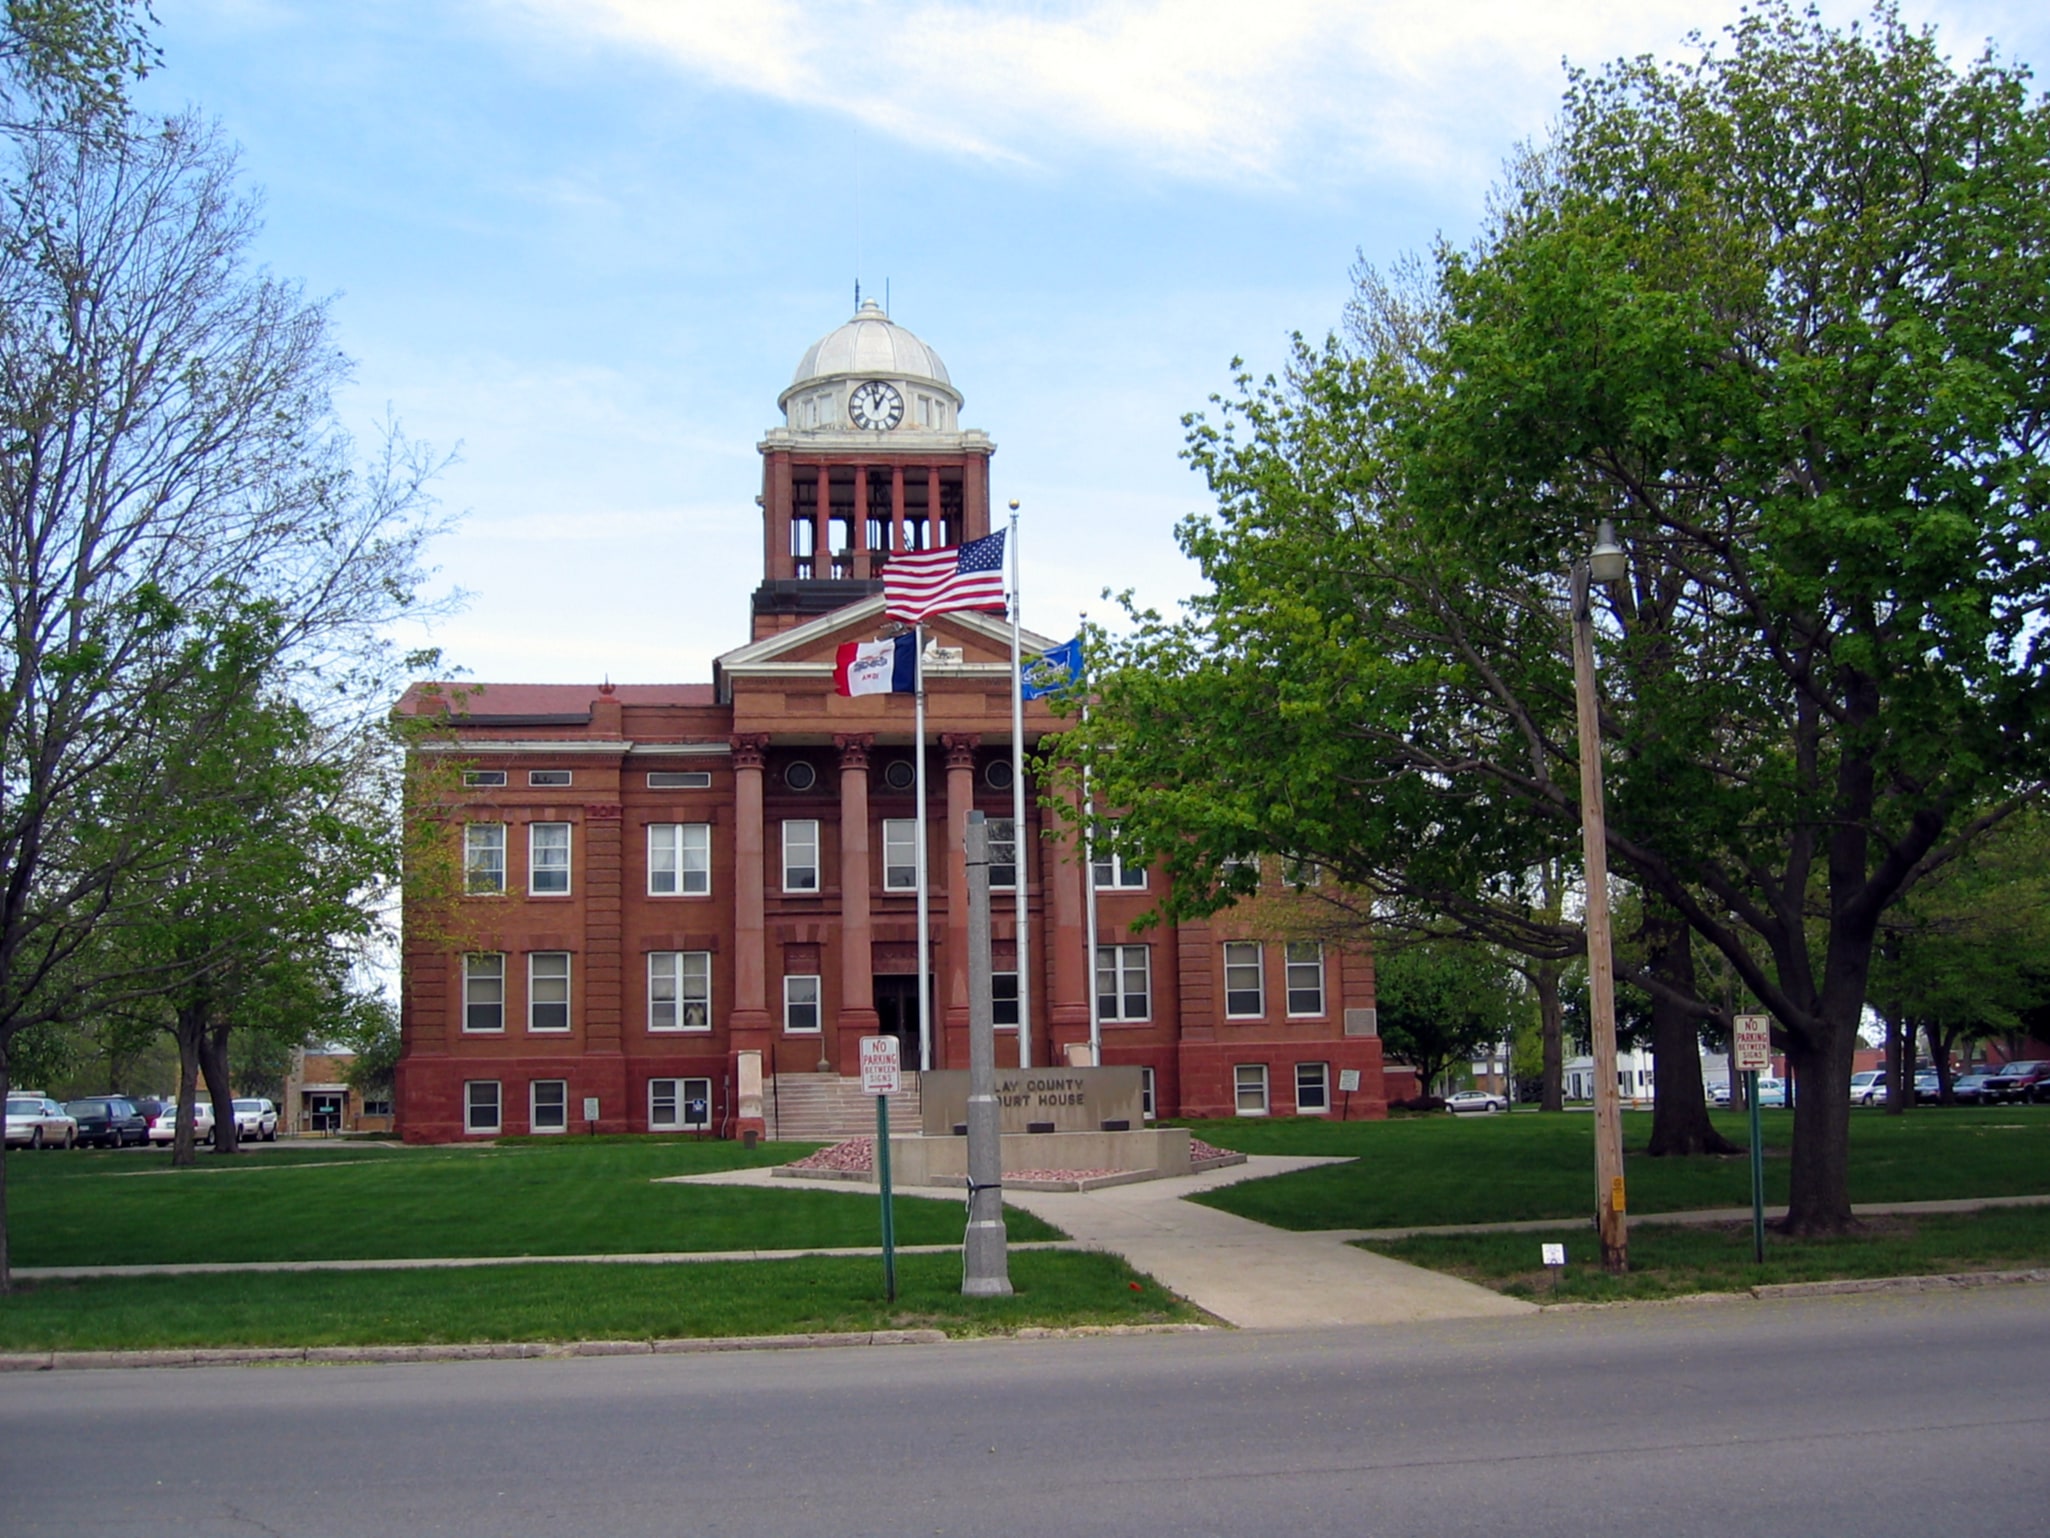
(876, 667)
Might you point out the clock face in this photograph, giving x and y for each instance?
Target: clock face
(876, 405)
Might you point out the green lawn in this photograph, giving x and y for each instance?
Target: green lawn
(335, 1202)
(1424, 1171)
(1668, 1260)
(571, 1302)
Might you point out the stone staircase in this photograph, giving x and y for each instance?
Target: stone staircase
(825, 1108)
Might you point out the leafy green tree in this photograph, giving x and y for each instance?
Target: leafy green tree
(1443, 1002)
(1775, 312)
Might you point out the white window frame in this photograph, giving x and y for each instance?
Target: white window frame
(534, 1123)
(1243, 957)
(801, 838)
(679, 859)
(1118, 960)
(484, 859)
(534, 1001)
(474, 974)
(679, 991)
(900, 854)
(547, 876)
(1304, 959)
(1004, 866)
(470, 1120)
(1111, 874)
(677, 1093)
(1147, 1102)
(557, 779)
(1318, 1074)
(795, 986)
(1243, 1077)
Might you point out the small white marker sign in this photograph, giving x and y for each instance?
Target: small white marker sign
(1751, 1043)
(1348, 1081)
(1555, 1254)
(590, 1108)
(880, 1074)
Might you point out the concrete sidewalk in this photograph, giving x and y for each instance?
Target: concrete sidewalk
(1243, 1272)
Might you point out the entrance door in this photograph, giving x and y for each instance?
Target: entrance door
(897, 1013)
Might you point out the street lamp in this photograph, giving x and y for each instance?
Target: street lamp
(1606, 563)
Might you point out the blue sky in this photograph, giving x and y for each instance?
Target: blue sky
(584, 242)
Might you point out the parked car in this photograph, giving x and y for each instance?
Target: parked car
(108, 1121)
(165, 1128)
(1771, 1091)
(37, 1121)
(1971, 1089)
(2028, 1080)
(1928, 1088)
(1475, 1100)
(257, 1119)
(1869, 1088)
(1719, 1092)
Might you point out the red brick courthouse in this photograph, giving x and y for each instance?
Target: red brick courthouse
(668, 884)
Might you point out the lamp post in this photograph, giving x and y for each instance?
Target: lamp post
(1605, 564)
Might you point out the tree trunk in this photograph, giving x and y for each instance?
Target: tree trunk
(1679, 1108)
(1939, 1057)
(1544, 976)
(213, 1059)
(188, 1030)
(1818, 1177)
(6, 1257)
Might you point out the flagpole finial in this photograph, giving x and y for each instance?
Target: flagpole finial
(1014, 504)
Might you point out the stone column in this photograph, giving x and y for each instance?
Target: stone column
(932, 516)
(857, 525)
(897, 507)
(747, 1025)
(1073, 969)
(960, 750)
(857, 1015)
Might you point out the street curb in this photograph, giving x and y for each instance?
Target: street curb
(1950, 1281)
(496, 1351)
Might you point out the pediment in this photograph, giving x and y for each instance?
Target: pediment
(807, 650)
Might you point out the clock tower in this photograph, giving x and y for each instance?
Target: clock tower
(871, 459)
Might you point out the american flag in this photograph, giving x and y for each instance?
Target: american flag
(928, 582)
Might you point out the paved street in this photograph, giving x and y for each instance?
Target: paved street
(1879, 1414)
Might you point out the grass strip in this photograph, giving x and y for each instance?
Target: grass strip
(1057, 1289)
(1424, 1171)
(1671, 1260)
(545, 1197)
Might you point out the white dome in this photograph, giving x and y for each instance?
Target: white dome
(871, 345)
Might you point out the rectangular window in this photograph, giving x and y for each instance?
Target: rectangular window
(679, 779)
(1003, 854)
(1112, 873)
(900, 854)
(679, 990)
(1300, 871)
(483, 778)
(1245, 994)
(1003, 998)
(1305, 977)
(801, 854)
(1249, 1084)
(480, 1106)
(679, 859)
(1231, 865)
(548, 1105)
(1146, 1093)
(801, 1004)
(1122, 985)
(679, 1105)
(548, 858)
(548, 776)
(484, 857)
(548, 991)
(484, 992)
(1312, 1088)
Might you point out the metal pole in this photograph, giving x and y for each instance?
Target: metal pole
(1089, 909)
(1610, 1204)
(985, 1264)
(918, 853)
(889, 1217)
(1018, 839)
(1757, 1170)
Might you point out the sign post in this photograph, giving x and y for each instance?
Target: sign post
(1348, 1081)
(1750, 1054)
(882, 1077)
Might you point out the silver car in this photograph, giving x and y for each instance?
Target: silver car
(36, 1121)
(1475, 1100)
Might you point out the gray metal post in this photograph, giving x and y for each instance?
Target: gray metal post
(985, 1263)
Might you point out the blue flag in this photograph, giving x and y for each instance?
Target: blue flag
(1053, 670)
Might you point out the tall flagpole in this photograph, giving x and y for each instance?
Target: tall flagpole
(918, 853)
(1089, 887)
(1019, 843)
